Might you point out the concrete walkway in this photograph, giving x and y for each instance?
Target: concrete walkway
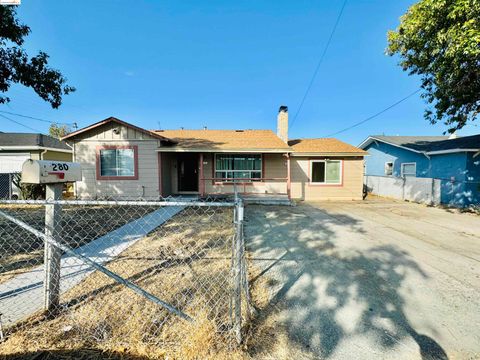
(23, 295)
(366, 280)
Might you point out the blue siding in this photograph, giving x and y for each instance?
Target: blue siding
(459, 172)
(380, 153)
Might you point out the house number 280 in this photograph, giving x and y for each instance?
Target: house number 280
(60, 167)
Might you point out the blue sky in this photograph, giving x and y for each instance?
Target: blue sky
(223, 64)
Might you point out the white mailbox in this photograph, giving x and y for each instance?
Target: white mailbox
(50, 172)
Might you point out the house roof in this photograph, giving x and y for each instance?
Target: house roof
(29, 141)
(224, 140)
(429, 145)
(118, 121)
(324, 146)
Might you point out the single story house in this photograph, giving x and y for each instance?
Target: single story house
(121, 159)
(15, 148)
(454, 161)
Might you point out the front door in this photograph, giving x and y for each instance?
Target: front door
(187, 168)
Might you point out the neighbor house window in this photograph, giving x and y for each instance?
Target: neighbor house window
(389, 168)
(325, 171)
(117, 162)
(238, 166)
(409, 169)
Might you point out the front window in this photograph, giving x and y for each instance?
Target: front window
(238, 166)
(326, 171)
(117, 162)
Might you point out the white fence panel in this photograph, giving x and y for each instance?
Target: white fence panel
(421, 190)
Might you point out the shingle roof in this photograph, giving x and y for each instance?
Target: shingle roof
(324, 146)
(431, 143)
(232, 140)
(31, 139)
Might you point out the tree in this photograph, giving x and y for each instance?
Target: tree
(59, 131)
(17, 67)
(439, 40)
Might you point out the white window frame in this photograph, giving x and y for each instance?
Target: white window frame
(325, 177)
(402, 165)
(385, 168)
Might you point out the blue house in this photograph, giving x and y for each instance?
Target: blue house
(455, 161)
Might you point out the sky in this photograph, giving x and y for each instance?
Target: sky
(223, 64)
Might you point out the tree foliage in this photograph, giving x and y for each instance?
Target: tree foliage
(439, 40)
(17, 67)
(59, 131)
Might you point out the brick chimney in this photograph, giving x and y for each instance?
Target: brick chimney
(282, 123)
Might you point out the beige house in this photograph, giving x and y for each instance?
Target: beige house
(122, 160)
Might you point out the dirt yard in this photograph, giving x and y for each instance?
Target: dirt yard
(20, 251)
(375, 279)
(185, 262)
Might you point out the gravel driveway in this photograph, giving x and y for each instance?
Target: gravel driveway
(375, 279)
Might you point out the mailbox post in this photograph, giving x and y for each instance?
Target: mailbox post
(52, 255)
(53, 174)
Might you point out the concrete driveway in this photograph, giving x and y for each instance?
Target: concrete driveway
(375, 279)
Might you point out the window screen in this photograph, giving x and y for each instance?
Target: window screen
(117, 162)
(238, 166)
(409, 169)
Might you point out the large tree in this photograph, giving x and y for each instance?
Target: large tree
(17, 67)
(439, 40)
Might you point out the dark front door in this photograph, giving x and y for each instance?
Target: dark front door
(187, 167)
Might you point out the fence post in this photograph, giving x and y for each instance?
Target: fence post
(238, 271)
(52, 253)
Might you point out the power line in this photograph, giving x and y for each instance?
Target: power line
(375, 115)
(312, 80)
(19, 123)
(34, 118)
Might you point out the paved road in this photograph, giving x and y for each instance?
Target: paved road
(23, 295)
(368, 280)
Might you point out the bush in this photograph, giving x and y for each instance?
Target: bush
(29, 191)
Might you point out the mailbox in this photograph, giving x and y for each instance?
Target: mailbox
(50, 172)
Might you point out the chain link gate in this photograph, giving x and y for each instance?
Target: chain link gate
(117, 273)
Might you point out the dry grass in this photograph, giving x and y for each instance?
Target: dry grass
(185, 262)
(21, 251)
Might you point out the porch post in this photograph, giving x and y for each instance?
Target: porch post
(289, 178)
(201, 177)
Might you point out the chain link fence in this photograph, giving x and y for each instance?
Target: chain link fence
(109, 274)
(8, 190)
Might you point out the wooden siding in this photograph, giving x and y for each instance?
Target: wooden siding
(147, 184)
(350, 189)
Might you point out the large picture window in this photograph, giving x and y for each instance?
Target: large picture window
(117, 163)
(238, 166)
(326, 171)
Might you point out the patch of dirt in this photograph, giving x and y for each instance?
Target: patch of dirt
(21, 251)
(185, 262)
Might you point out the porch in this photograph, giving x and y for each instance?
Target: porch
(253, 175)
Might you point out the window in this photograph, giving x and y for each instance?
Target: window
(238, 166)
(409, 169)
(117, 162)
(389, 168)
(325, 171)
